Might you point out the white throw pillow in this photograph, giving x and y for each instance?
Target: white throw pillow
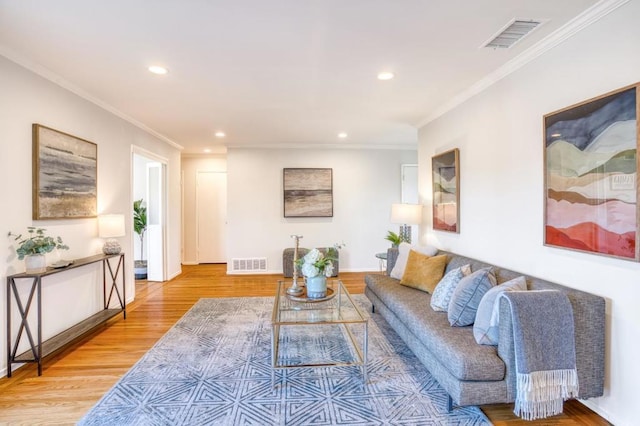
(403, 255)
(485, 328)
(444, 290)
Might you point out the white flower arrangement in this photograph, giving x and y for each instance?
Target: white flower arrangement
(315, 263)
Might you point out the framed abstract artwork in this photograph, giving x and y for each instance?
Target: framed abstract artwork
(308, 192)
(591, 181)
(446, 191)
(65, 175)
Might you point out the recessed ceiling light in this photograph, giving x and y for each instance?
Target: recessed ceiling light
(207, 150)
(342, 135)
(220, 134)
(156, 69)
(385, 75)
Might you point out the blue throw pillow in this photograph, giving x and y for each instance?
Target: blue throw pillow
(444, 290)
(485, 329)
(467, 295)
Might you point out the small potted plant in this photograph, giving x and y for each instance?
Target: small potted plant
(140, 227)
(394, 238)
(34, 246)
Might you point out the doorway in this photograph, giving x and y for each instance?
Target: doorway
(149, 185)
(211, 216)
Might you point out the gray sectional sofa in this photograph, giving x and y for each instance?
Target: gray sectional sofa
(474, 374)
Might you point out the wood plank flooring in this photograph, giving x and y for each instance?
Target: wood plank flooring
(74, 379)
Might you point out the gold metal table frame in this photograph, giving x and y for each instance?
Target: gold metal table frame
(339, 310)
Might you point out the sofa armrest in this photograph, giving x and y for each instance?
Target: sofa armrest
(392, 256)
(589, 334)
(505, 348)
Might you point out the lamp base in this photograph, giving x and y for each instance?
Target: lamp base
(111, 247)
(405, 233)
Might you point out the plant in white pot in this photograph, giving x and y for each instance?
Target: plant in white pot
(316, 267)
(33, 247)
(140, 227)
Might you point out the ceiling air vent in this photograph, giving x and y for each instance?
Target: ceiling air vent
(512, 33)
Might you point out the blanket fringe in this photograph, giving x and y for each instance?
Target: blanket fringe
(541, 393)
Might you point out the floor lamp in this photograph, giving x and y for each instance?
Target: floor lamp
(406, 215)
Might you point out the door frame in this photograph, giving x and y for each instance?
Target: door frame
(136, 150)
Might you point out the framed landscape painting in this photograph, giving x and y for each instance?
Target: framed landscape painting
(308, 192)
(591, 175)
(64, 175)
(446, 191)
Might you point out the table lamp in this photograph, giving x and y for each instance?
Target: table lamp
(406, 215)
(111, 226)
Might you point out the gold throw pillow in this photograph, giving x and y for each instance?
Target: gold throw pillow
(423, 272)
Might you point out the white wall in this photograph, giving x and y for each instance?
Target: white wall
(499, 133)
(28, 98)
(365, 184)
(190, 168)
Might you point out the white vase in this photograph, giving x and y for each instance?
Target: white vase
(316, 287)
(35, 263)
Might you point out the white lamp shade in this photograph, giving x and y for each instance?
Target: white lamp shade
(111, 226)
(406, 214)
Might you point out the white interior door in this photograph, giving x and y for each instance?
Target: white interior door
(155, 221)
(410, 192)
(211, 216)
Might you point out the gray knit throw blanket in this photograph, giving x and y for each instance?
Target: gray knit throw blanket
(544, 350)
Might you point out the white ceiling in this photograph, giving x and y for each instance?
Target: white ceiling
(272, 73)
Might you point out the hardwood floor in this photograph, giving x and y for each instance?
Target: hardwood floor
(73, 380)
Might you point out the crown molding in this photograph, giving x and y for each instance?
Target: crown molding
(57, 79)
(337, 146)
(577, 24)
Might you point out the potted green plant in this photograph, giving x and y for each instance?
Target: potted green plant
(34, 246)
(140, 227)
(394, 238)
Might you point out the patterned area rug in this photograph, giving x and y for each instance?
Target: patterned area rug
(214, 368)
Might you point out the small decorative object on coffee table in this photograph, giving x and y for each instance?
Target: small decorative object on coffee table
(316, 267)
(295, 290)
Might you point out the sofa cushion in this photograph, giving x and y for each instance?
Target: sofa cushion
(467, 295)
(403, 255)
(453, 347)
(423, 272)
(485, 328)
(444, 290)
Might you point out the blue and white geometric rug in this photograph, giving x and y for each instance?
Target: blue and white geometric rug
(214, 368)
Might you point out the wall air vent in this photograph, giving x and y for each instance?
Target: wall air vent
(254, 264)
(512, 33)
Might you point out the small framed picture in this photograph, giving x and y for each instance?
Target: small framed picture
(308, 192)
(446, 191)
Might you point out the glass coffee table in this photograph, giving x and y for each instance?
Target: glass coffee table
(317, 333)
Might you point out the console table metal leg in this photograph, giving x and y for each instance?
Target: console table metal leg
(36, 349)
(39, 282)
(8, 327)
(114, 284)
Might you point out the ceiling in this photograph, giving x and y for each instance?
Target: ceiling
(272, 73)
